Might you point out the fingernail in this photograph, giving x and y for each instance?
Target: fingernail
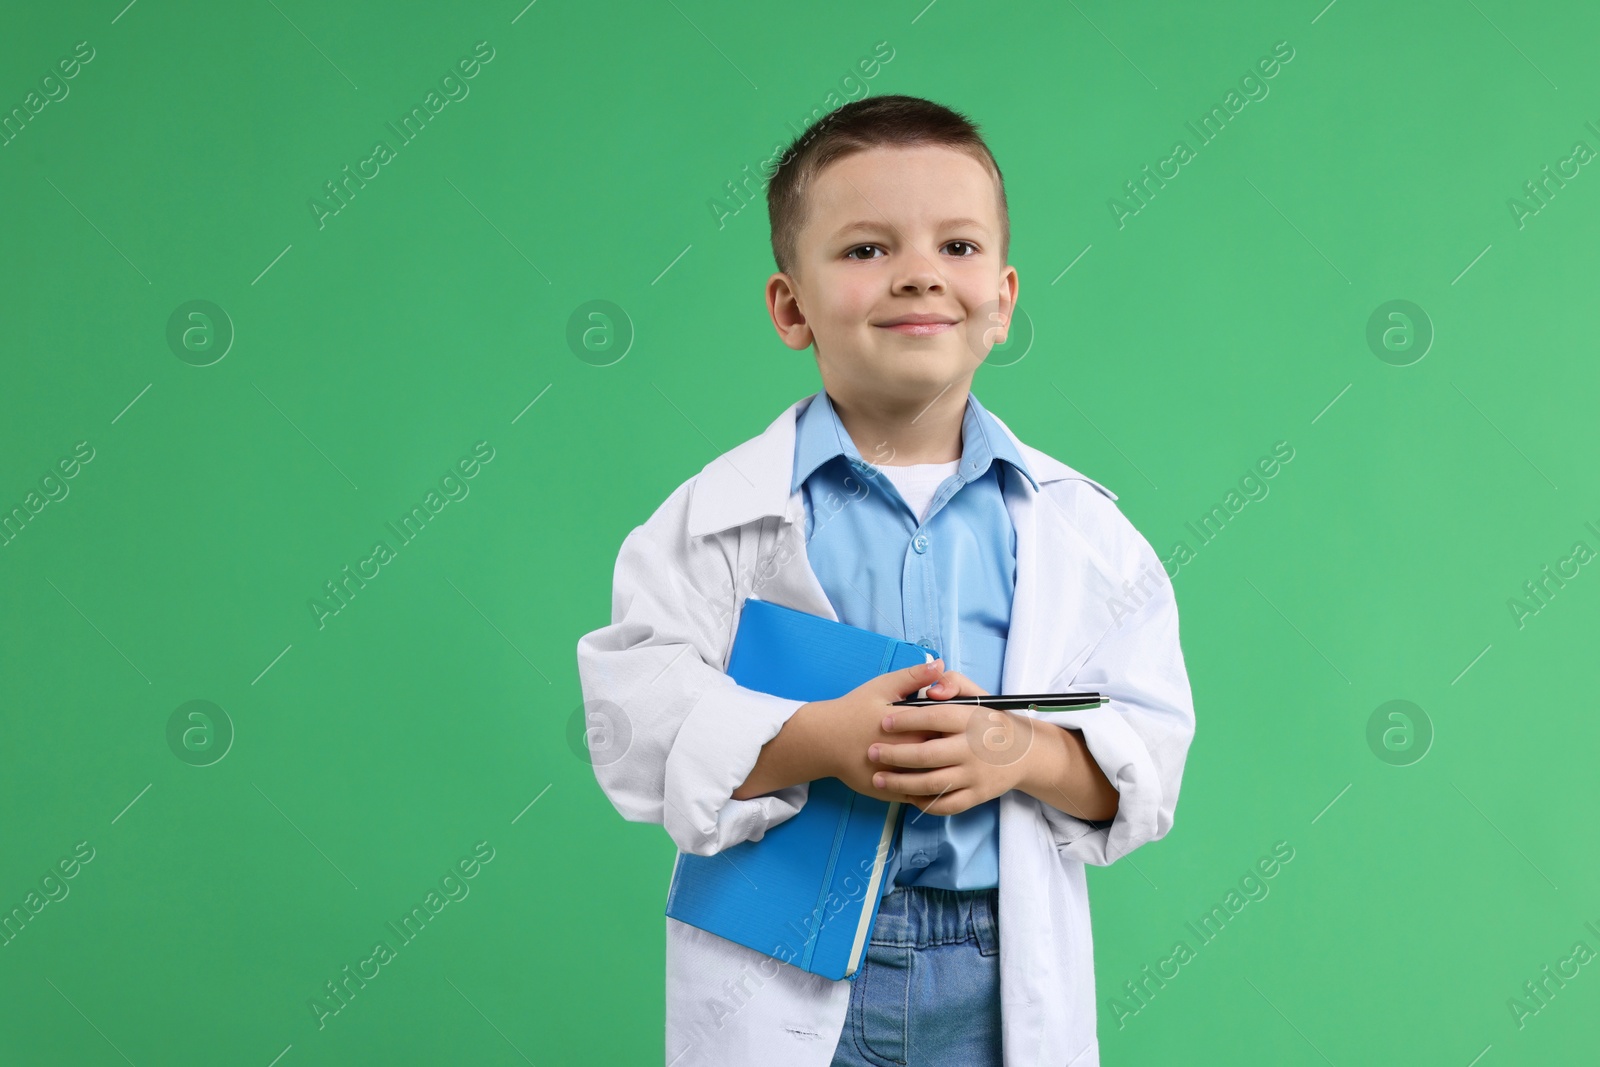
(872, 753)
(877, 780)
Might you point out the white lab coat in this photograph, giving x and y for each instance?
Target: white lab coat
(1093, 608)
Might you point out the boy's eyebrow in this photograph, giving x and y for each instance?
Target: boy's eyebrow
(882, 227)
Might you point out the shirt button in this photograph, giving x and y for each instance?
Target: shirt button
(920, 542)
(925, 643)
(919, 859)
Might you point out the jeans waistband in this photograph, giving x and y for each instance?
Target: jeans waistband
(924, 916)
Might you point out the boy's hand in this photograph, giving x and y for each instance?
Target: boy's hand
(855, 723)
(974, 754)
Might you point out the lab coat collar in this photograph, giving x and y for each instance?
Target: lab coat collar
(754, 480)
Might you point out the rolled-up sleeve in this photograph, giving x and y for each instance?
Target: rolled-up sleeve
(671, 735)
(1140, 738)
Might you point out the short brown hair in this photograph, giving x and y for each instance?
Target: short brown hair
(874, 121)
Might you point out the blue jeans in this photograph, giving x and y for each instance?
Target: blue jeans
(928, 992)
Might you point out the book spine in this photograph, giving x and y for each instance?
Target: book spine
(869, 907)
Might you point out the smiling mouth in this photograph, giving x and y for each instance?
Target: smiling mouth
(920, 329)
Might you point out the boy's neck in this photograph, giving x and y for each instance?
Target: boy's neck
(890, 434)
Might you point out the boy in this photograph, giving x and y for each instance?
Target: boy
(891, 235)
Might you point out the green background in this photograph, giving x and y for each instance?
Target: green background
(436, 710)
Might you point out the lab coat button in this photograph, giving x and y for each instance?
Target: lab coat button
(920, 542)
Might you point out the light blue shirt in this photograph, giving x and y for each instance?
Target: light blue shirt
(945, 583)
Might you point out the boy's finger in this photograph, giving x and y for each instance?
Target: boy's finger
(942, 719)
(923, 754)
(915, 783)
(904, 682)
(955, 684)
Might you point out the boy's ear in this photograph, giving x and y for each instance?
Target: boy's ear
(787, 318)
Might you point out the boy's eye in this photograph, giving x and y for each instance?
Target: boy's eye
(858, 248)
(968, 244)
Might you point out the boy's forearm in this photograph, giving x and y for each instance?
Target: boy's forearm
(797, 753)
(1059, 771)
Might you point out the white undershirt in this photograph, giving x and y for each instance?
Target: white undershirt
(918, 482)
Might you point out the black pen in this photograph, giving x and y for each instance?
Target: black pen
(1014, 701)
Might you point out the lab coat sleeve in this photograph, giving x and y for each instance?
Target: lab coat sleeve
(1140, 738)
(677, 735)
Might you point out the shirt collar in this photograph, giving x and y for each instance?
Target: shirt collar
(820, 436)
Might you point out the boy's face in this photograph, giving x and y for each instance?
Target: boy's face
(927, 243)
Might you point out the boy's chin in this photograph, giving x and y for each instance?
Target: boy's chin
(945, 357)
(950, 362)
(909, 370)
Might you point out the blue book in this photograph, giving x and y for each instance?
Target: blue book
(807, 892)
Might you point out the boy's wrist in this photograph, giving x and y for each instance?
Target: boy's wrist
(1043, 762)
(822, 760)
(800, 753)
(1058, 770)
